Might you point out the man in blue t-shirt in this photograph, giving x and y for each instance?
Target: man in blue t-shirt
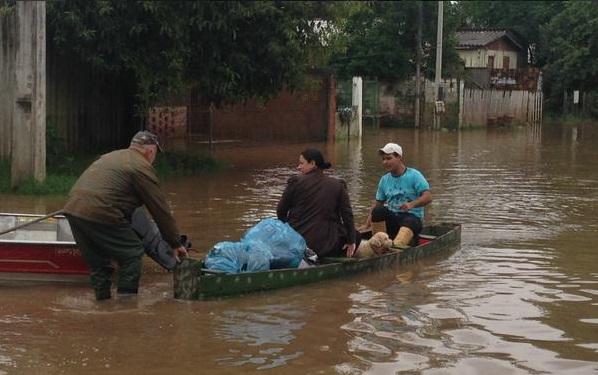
(402, 194)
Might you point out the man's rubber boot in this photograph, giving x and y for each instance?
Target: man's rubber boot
(102, 294)
(403, 238)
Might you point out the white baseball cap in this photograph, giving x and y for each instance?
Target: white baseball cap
(390, 148)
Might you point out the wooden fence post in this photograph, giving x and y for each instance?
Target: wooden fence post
(29, 109)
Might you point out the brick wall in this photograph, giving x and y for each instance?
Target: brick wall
(303, 115)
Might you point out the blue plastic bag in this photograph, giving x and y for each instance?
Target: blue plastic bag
(235, 257)
(283, 242)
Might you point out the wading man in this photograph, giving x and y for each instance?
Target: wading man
(100, 207)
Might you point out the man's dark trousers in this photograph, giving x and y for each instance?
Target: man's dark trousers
(100, 244)
(396, 220)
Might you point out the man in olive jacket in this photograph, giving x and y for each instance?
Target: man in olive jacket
(100, 207)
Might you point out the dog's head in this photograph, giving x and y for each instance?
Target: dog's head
(380, 241)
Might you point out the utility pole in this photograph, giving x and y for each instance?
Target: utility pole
(438, 65)
(418, 61)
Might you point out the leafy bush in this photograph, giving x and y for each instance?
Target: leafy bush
(63, 171)
(174, 163)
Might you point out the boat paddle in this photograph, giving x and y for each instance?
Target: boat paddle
(55, 213)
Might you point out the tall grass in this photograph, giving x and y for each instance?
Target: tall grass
(60, 177)
(569, 120)
(170, 164)
(63, 168)
(63, 171)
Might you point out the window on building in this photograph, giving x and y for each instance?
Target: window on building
(505, 62)
(491, 62)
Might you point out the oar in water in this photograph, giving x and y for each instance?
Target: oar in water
(31, 222)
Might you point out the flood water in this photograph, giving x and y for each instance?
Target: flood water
(519, 297)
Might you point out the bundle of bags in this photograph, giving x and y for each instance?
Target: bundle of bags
(270, 244)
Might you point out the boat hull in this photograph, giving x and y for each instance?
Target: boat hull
(41, 251)
(41, 258)
(193, 282)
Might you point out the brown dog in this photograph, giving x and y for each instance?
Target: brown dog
(379, 244)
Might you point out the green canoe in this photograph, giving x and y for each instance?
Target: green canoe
(193, 282)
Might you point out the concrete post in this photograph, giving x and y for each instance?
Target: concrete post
(331, 94)
(461, 100)
(418, 60)
(29, 110)
(438, 64)
(357, 103)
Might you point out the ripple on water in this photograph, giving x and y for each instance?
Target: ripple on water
(357, 326)
(480, 365)
(360, 344)
(403, 361)
(12, 319)
(256, 328)
(514, 299)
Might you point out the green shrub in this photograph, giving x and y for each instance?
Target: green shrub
(54, 184)
(64, 170)
(177, 164)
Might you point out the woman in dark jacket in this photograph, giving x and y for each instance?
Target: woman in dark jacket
(318, 207)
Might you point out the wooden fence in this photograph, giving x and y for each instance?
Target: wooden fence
(88, 110)
(8, 38)
(501, 107)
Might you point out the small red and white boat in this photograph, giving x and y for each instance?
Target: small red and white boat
(42, 251)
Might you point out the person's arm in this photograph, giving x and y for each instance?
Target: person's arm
(368, 221)
(153, 242)
(424, 199)
(346, 214)
(179, 252)
(285, 202)
(422, 187)
(380, 200)
(148, 188)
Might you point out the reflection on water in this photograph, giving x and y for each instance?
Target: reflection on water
(519, 297)
(270, 327)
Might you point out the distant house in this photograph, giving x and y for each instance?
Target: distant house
(495, 58)
(494, 49)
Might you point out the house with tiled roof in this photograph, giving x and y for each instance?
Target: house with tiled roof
(494, 49)
(495, 58)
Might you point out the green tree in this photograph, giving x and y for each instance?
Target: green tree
(7, 6)
(382, 41)
(526, 18)
(571, 51)
(247, 49)
(139, 41)
(228, 51)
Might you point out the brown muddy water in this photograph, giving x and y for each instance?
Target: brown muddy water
(519, 297)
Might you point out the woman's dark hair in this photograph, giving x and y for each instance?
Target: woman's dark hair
(310, 154)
